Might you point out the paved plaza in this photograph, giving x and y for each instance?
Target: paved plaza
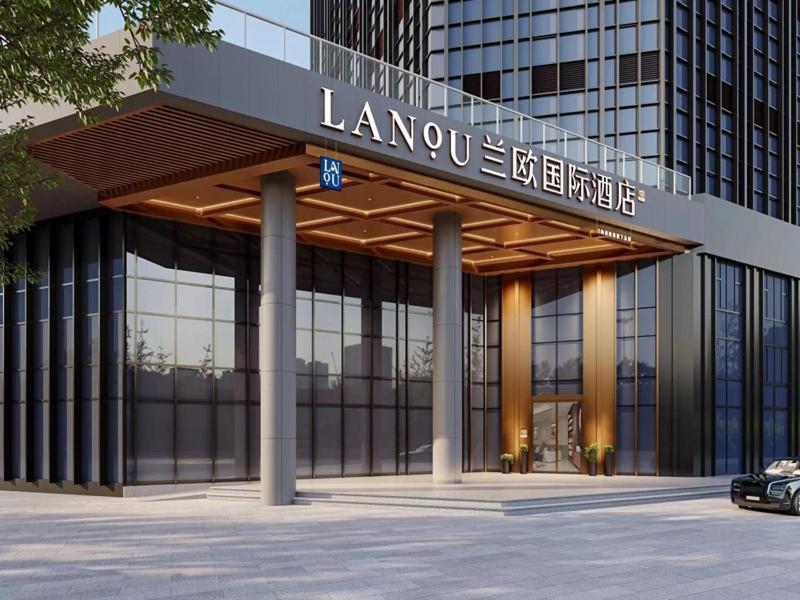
(58, 546)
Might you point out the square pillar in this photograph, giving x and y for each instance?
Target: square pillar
(276, 339)
(447, 376)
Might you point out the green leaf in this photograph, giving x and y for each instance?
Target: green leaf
(47, 58)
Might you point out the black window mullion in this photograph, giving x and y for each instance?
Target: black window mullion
(467, 333)
(49, 434)
(26, 438)
(371, 338)
(396, 376)
(175, 346)
(5, 431)
(406, 371)
(99, 421)
(342, 411)
(313, 363)
(485, 373)
(248, 360)
(74, 474)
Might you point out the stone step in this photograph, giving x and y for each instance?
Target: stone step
(516, 507)
(506, 508)
(233, 493)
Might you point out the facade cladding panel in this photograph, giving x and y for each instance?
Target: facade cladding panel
(131, 358)
(63, 354)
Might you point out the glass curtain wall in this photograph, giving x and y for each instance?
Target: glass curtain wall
(159, 320)
(364, 344)
(557, 369)
(557, 336)
(775, 328)
(481, 373)
(636, 368)
(190, 299)
(365, 366)
(729, 355)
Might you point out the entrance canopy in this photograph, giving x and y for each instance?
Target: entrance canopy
(169, 163)
(389, 212)
(531, 196)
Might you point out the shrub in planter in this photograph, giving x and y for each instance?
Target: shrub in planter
(506, 460)
(591, 453)
(608, 460)
(523, 458)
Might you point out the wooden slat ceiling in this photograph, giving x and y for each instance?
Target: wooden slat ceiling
(157, 146)
(166, 162)
(389, 212)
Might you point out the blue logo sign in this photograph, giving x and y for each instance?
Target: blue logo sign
(330, 173)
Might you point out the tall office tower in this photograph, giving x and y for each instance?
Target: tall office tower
(707, 88)
(396, 32)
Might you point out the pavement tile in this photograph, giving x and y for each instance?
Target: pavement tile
(131, 549)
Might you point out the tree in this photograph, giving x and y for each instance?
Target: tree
(421, 361)
(45, 58)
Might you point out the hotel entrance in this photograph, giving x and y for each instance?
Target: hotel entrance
(557, 340)
(556, 436)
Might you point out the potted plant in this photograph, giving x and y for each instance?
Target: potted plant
(591, 457)
(523, 458)
(507, 460)
(608, 460)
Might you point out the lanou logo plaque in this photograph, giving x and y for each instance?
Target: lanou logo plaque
(529, 167)
(330, 173)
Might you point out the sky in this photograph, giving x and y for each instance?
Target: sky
(295, 13)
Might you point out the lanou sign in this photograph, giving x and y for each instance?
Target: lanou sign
(525, 165)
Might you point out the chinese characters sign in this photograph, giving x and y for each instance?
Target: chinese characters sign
(560, 178)
(523, 165)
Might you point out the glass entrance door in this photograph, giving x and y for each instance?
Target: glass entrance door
(545, 434)
(556, 437)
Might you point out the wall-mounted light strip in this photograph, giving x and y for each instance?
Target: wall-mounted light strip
(168, 204)
(614, 235)
(220, 207)
(580, 250)
(427, 190)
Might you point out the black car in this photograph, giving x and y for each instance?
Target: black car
(776, 488)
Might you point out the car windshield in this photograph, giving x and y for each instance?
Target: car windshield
(783, 467)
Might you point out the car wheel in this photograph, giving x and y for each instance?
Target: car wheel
(795, 507)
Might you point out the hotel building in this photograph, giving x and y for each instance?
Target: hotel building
(447, 230)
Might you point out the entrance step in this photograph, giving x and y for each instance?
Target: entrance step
(465, 504)
(234, 492)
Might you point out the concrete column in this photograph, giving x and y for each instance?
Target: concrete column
(447, 378)
(276, 339)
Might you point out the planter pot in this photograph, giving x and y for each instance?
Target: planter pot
(523, 462)
(608, 464)
(506, 467)
(592, 469)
